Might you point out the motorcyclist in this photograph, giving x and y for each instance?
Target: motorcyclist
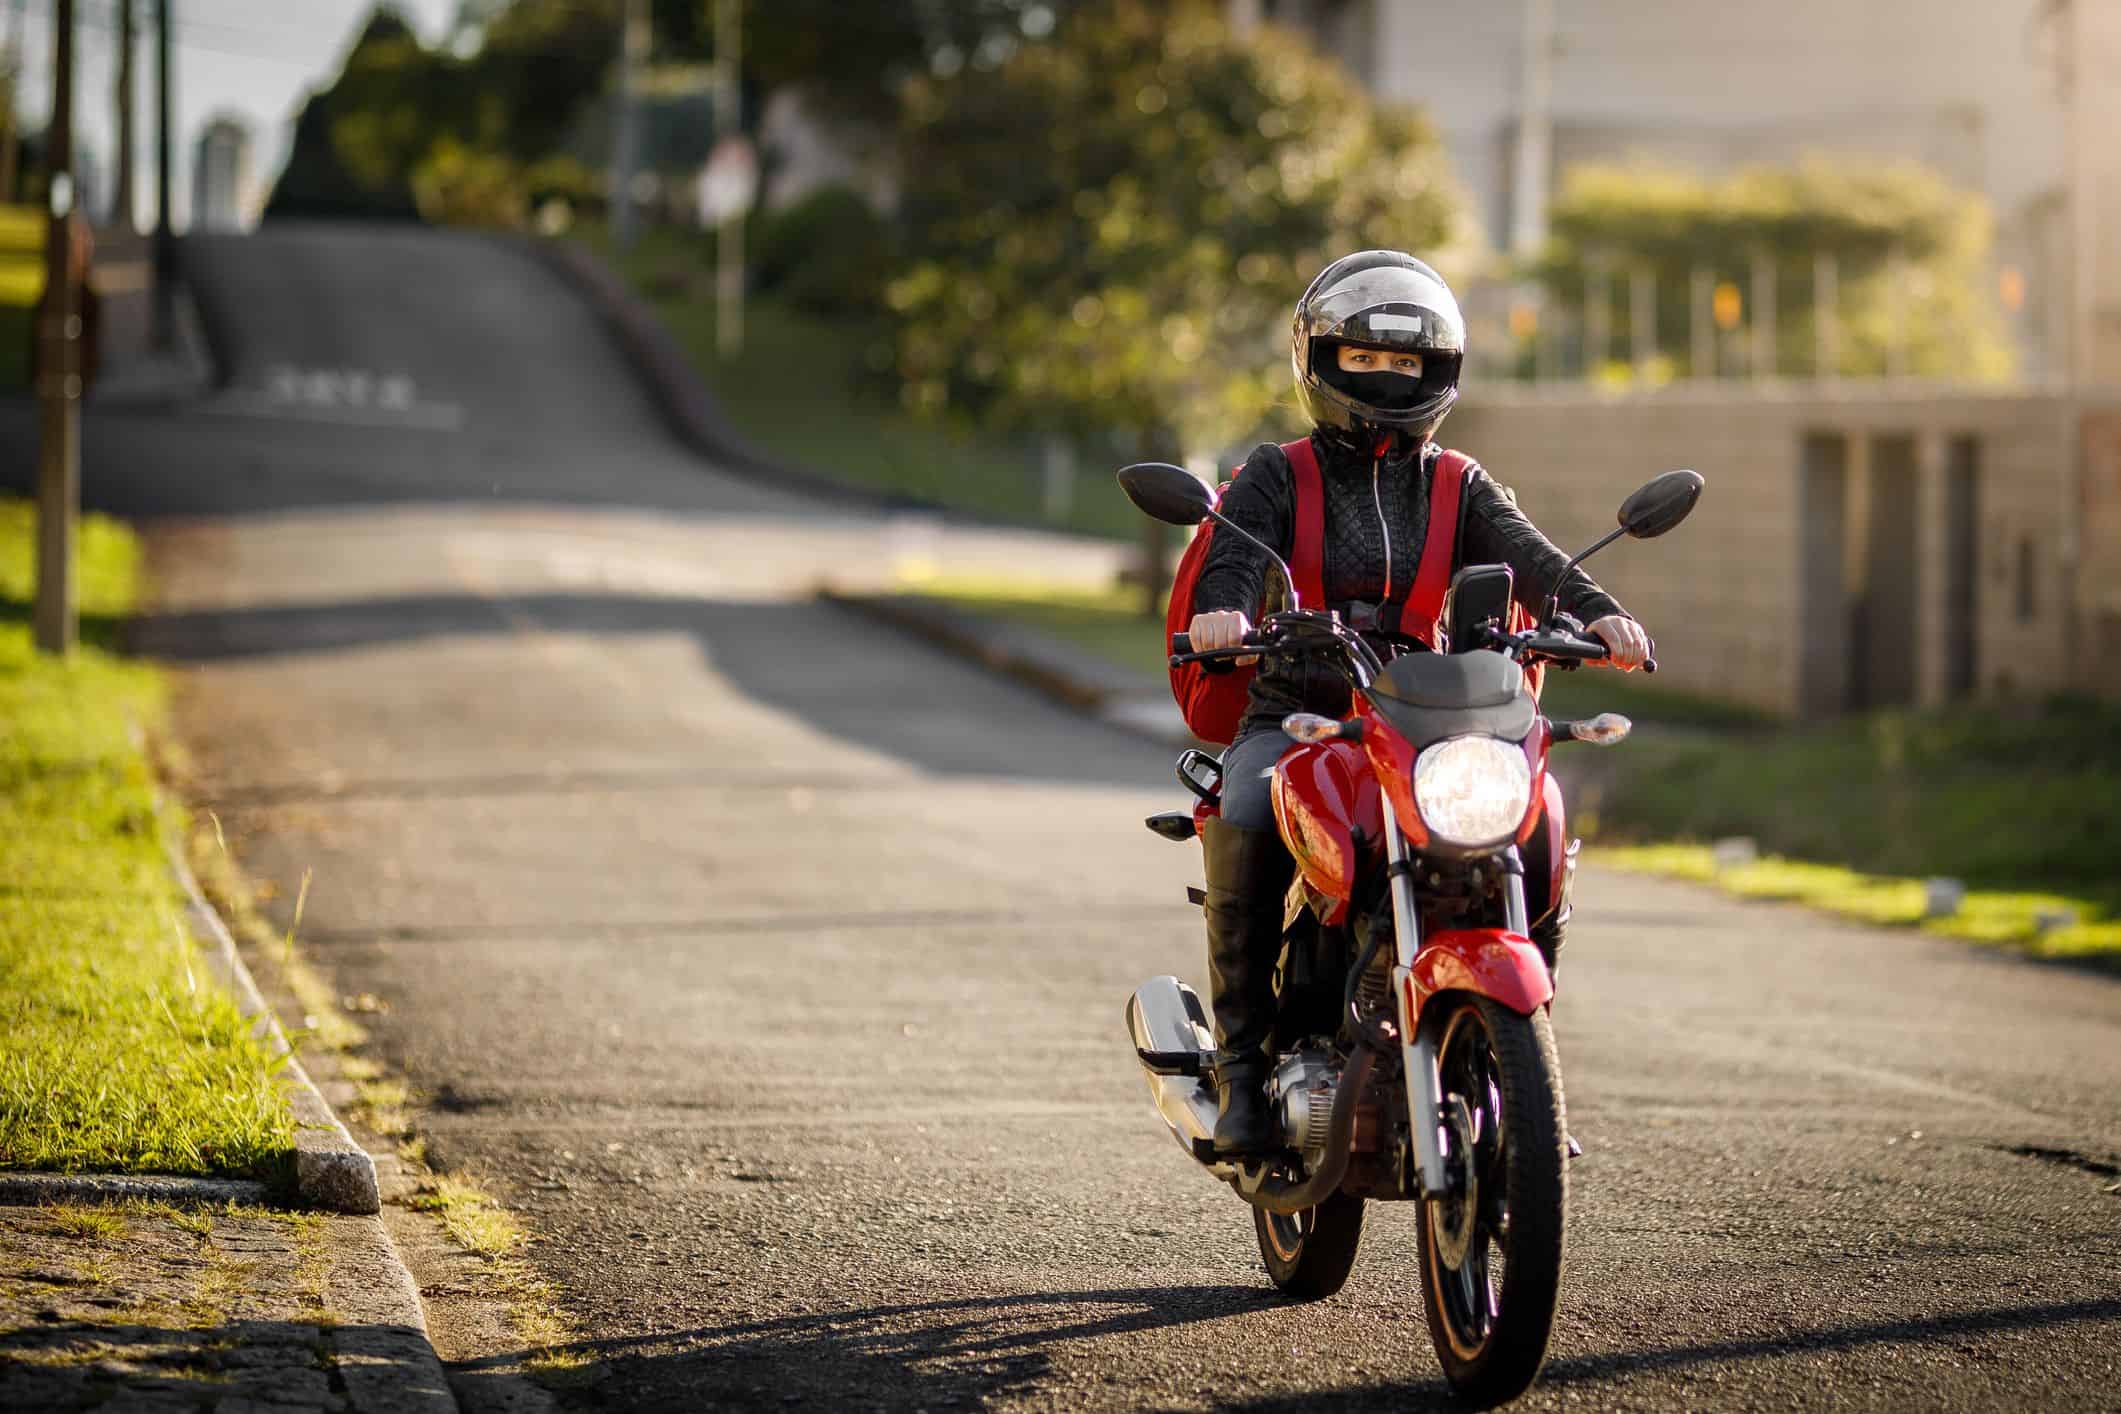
(1377, 348)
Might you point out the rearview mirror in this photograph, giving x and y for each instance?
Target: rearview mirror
(1660, 504)
(1169, 493)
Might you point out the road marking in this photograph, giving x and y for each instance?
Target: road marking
(345, 396)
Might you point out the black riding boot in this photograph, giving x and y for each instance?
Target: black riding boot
(1248, 879)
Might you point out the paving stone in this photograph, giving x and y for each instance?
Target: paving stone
(162, 1319)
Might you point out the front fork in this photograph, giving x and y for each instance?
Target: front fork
(1417, 1050)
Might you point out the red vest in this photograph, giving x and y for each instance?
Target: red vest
(1214, 703)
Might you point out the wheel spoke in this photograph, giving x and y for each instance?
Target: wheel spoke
(1473, 1292)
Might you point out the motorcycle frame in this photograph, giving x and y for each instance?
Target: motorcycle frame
(1502, 964)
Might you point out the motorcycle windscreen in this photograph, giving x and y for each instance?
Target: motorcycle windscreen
(1429, 696)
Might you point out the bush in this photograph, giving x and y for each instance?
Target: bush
(829, 253)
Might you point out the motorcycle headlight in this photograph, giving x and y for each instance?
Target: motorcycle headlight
(1473, 790)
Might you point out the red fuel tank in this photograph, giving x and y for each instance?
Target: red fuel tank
(1327, 805)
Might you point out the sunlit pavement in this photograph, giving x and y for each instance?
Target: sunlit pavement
(772, 965)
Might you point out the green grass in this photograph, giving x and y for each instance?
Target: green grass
(2008, 801)
(2016, 920)
(2023, 807)
(115, 1055)
(804, 389)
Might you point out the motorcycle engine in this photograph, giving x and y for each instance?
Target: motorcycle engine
(1302, 1095)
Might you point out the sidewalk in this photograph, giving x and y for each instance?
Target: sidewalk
(149, 1306)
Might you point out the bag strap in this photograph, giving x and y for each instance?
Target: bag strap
(1439, 551)
(1307, 552)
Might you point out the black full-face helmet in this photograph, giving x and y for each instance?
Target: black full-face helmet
(1383, 299)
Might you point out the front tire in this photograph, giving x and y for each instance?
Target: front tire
(1310, 1254)
(1492, 1255)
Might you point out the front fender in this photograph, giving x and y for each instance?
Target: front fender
(1490, 962)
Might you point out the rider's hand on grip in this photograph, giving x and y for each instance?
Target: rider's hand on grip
(1220, 628)
(1627, 646)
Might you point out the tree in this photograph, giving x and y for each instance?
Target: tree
(1109, 230)
(1880, 223)
(356, 143)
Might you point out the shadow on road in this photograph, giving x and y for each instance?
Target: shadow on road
(937, 1354)
(1621, 1365)
(830, 671)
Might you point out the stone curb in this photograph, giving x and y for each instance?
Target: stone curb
(1054, 669)
(34, 1189)
(332, 1172)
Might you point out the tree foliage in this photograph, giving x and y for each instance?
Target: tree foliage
(403, 123)
(1111, 228)
(357, 142)
(1880, 223)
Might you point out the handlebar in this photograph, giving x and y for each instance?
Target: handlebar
(1556, 644)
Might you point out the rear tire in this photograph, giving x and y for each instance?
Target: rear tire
(1491, 1334)
(1310, 1254)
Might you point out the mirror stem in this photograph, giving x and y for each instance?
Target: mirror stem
(1554, 597)
(1288, 580)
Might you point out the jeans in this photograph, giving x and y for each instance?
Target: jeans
(1248, 798)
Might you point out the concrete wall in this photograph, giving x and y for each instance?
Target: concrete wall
(1826, 568)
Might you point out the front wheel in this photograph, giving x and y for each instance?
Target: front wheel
(1310, 1254)
(1492, 1252)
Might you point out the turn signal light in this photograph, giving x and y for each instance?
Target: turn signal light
(1605, 729)
(1310, 728)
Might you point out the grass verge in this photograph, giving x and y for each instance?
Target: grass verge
(113, 1055)
(2046, 925)
(805, 389)
(2020, 806)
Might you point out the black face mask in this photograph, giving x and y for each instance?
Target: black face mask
(1389, 392)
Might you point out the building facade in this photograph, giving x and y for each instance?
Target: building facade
(2017, 99)
(223, 194)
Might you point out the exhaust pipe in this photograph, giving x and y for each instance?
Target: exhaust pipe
(1176, 1049)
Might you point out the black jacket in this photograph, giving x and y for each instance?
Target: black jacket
(1377, 520)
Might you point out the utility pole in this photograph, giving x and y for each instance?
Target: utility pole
(1535, 131)
(728, 124)
(8, 138)
(122, 197)
(165, 236)
(625, 141)
(58, 364)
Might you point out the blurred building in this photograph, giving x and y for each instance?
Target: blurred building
(222, 198)
(1987, 92)
(1862, 544)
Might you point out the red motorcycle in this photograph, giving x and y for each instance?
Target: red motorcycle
(1413, 1058)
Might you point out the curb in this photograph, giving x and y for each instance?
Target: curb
(687, 405)
(28, 1190)
(1051, 668)
(332, 1172)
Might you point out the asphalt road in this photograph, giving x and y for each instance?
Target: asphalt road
(772, 966)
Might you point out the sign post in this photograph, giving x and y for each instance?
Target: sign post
(744, 179)
(728, 185)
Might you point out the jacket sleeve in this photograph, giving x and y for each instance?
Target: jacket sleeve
(1496, 532)
(1263, 501)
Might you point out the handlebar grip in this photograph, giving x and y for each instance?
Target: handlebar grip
(1181, 643)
